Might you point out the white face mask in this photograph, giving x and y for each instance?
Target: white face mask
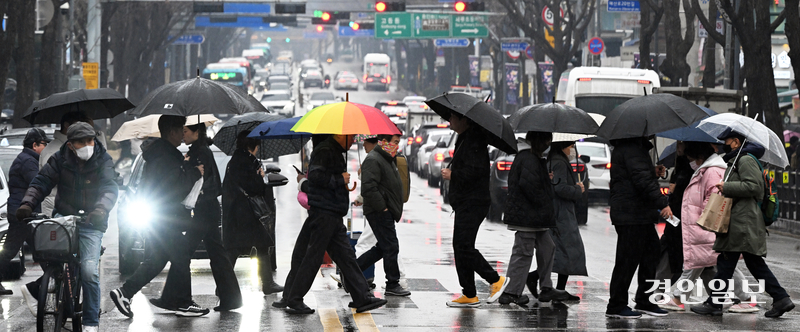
(85, 152)
(572, 155)
(694, 165)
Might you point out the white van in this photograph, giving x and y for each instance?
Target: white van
(377, 71)
(600, 89)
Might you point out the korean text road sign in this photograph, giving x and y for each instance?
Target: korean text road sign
(393, 25)
(451, 42)
(431, 25)
(468, 26)
(513, 46)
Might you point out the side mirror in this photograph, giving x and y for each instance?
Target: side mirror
(270, 168)
(276, 180)
(585, 158)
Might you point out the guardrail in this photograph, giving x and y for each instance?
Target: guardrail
(787, 184)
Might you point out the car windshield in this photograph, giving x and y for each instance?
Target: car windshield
(7, 157)
(435, 137)
(414, 98)
(594, 151)
(276, 96)
(322, 96)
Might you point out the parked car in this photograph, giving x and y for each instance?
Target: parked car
(436, 158)
(313, 78)
(431, 138)
(279, 101)
(600, 165)
(320, 98)
(345, 80)
(498, 184)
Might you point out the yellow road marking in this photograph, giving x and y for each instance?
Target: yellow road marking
(364, 321)
(330, 320)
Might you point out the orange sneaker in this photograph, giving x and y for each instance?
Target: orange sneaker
(497, 289)
(464, 302)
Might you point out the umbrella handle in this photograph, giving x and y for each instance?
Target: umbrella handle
(355, 184)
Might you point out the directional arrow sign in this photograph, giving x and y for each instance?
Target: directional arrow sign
(468, 26)
(393, 25)
(451, 42)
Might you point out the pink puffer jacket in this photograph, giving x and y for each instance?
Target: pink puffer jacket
(697, 242)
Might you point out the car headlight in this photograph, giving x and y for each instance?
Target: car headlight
(139, 214)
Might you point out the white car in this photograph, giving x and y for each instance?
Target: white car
(346, 81)
(395, 112)
(599, 166)
(279, 101)
(317, 99)
(418, 99)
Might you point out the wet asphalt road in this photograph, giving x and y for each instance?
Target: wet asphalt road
(425, 235)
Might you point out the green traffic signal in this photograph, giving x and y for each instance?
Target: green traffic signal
(269, 39)
(288, 40)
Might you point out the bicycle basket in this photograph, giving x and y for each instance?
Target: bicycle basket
(55, 239)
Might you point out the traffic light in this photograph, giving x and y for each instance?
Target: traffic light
(354, 25)
(289, 8)
(269, 39)
(320, 28)
(387, 6)
(462, 6)
(326, 18)
(288, 39)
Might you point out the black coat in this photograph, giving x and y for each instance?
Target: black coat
(24, 168)
(89, 187)
(166, 180)
(530, 193)
(199, 153)
(240, 226)
(635, 193)
(381, 186)
(469, 177)
(327, 192)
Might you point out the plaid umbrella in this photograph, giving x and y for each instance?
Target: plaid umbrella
(276, 138)
(225, 139)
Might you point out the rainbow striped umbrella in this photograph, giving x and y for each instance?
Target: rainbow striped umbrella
(346, 118)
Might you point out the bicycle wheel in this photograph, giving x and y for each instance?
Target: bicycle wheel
(49, 314)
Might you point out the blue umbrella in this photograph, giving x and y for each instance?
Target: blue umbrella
(691, 133)
(667, 157)
(277, 137)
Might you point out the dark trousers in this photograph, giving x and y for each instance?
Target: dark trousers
(205, 227)
(165, 245)
(17, 234)
(726, 264)
(387, 248)
(323, 232)
(468, 259)
(637, 246)
(264, 251)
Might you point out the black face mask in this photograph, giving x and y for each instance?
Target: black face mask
(727, 148)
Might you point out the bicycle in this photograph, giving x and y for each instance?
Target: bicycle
(60, 287)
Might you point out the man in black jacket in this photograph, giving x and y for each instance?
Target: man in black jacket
(382, 191)
(468, 173)
(635, 200)
(22, 171)
(166, 182)
(84, 175)
(324, 231)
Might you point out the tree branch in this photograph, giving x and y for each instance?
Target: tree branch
(778, 21)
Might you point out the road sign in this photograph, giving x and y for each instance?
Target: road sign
(513, 54)
(91, 74)
(468, 26)
(548, 17)
(529, 52)
(451, 42)
(623, 6)
(513, 46)
(393, 25)
(346, 31)
(431, 25)
(189, 39)
(595, 45)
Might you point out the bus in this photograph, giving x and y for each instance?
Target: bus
(227, 72)
(377, 71)
(600, 89)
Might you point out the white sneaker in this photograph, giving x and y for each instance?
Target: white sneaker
(91, 328)
(30, 301)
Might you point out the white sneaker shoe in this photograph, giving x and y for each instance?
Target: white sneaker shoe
(30, 301)
(91, 328)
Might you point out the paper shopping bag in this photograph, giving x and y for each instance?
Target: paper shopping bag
(716, 215)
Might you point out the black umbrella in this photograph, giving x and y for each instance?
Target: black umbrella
(197, 96)
(497, 127)
(552, 117)
(96, 103)
(649, 115)
(225, 139)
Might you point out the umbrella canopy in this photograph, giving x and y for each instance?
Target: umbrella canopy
(225, 139)
(691, 133)
(788, 134)
(277, 138)
(649, 115)
(346, 118)
(567, 137)
(197, 96)
(148, 126)
(499, 130)
(667, 157)
(552, 117)
(96, 103)
(753, 130)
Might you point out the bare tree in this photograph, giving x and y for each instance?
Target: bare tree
(6, 38)
(651, 13)
(568, 32)
(25, 13)
(793, 34)
(752, 24)
(710, 46)
(675, 67)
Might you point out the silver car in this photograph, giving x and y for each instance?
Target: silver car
(346, 81)
(436, 158)
(599, 166)
(429, 142)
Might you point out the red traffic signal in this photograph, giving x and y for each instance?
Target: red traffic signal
(326, 16)
(460, 6)
(320, 28)
(355, 26)
(383, 6)
(380, 6)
